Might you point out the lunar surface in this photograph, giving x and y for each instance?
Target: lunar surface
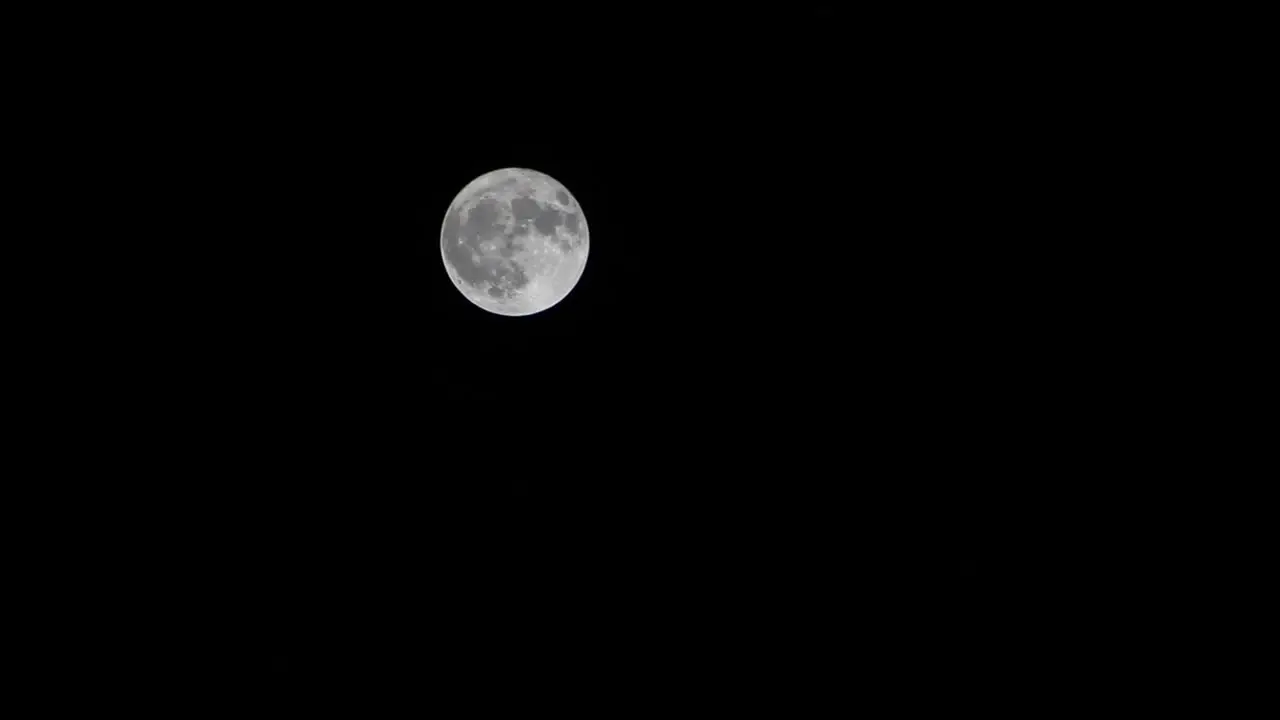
(514, 241)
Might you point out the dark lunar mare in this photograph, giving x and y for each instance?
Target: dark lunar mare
(548, 220)
(523, 208)
(571, 222)
(545, 219)
(481, 225)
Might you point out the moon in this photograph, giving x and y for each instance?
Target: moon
(514, 241)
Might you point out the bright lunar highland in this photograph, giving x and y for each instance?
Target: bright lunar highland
(514, 241)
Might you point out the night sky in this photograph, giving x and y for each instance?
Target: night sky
(780, 412)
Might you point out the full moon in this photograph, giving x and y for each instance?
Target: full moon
(514, 241)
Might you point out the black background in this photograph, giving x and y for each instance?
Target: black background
(783, 415)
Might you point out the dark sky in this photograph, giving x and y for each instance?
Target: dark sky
(782, 402)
